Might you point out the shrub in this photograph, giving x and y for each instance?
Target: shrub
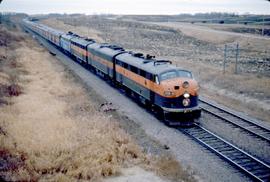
(14, 90)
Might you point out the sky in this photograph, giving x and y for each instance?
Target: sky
(135, 6)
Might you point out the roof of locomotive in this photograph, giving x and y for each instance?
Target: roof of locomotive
(67, 36)
(150, 65)
(106, 49)
(57, 32)
(82, 41)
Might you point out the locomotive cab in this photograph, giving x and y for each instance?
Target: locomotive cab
(178, 95)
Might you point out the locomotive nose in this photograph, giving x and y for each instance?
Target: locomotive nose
(184, 84)
(180, 87)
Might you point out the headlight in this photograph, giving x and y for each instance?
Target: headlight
(186, 95)
(168, 93)
(186, 102)
(185, 84)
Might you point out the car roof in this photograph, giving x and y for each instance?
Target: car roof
(54, 31)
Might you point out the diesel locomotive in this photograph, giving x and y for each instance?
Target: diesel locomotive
(169, 91)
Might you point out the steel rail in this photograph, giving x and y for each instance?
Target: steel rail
(236, 120)
(246, 163)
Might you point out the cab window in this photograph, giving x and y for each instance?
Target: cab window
(174, 74)
(168, 75)
(184, 73)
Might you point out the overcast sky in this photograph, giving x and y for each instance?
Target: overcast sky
(135, 6)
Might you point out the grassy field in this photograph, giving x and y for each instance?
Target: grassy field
(51, 127)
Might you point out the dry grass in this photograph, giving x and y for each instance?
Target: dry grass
(9, 69)
(7, 37)
(168, 167)
(39, 126)
(40, 132)
(52, 131)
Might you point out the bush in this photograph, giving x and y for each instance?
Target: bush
(221, 22)
(14, 90)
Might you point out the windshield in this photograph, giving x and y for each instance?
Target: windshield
(175, 74)
(185, 74)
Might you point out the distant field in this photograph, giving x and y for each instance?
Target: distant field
(221, 18)
(254, 24)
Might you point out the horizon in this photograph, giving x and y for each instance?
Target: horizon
(112, 14)
(139, 7)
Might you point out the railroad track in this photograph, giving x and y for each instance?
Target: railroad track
(245, 124)
(246, 163)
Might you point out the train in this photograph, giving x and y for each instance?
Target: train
(170, 92)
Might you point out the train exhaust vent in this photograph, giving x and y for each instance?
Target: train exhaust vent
(71, 33)
(139, 55)
(147, 61)
(89, 39)
(161, 62)
(114, 47)
(149, 56)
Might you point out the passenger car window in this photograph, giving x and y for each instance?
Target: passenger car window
(119, 63)
(142, 73)
(125, 65)
(134, 69)
(149, 76)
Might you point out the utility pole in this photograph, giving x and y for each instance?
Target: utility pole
(6, 47)
(263, 27)
(225, 57)
(236, 58)
(88, 29)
